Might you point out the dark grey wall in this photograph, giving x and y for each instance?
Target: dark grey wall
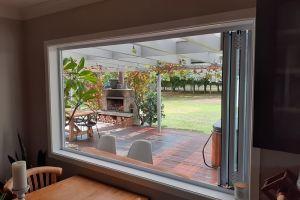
(10, 91)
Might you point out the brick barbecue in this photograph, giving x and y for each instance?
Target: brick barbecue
(118, 104)
(121, 100)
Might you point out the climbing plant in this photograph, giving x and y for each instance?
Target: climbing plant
(139, 82)
(96, 102)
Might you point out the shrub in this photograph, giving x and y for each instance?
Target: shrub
(149, 109)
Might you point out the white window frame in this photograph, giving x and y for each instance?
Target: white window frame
(218, 23)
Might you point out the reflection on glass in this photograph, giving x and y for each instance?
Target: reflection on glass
(236, 112)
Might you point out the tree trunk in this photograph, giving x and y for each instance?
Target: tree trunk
(73, 113)
(194, 88)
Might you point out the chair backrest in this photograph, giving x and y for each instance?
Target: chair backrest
(38, 178)
(141, 150)
(91, 120)
(107, 143)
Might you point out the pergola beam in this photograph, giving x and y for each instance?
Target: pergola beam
(164, 46)
(203, 48)
(209, 41)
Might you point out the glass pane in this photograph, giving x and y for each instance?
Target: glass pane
(111, 91)
(236, 111)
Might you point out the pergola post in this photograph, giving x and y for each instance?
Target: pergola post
(159, 102)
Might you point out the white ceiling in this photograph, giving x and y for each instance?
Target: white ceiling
(28, 9)
(21, 3)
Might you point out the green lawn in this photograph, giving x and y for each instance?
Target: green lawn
(191, 112)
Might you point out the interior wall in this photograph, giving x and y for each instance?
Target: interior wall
(10, 92)
(273, 162)
(98, 17)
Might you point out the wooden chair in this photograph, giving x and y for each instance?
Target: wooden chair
(91, 122)
(38, 178)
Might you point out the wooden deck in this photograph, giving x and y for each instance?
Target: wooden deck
(178, 151)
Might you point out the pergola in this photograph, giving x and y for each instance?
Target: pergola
(190, 52)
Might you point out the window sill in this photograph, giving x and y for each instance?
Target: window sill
(153, 181)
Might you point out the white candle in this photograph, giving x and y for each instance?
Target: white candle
(19, 175)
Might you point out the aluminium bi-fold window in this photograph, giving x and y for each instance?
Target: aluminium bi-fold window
(224, 57)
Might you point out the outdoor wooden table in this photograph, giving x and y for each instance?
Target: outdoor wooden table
(74, 130)
(97, 152)
(80, 188)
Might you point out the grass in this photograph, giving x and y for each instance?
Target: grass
(196, 112)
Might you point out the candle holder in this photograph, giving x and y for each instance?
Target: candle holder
(20, 193)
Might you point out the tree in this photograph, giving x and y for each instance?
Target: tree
(175, 82)
(165, 81)
(139, 82)
(192, 79)
(206, 81)
(76, 80)
(145, 98)
(183, 78)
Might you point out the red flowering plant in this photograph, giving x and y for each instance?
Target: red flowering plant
(165, 68)
(139, 82)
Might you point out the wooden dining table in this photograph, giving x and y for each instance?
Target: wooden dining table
(73, 128)
(81, 188)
